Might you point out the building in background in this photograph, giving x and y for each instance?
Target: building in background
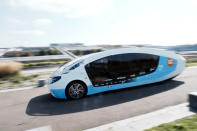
(68, 45)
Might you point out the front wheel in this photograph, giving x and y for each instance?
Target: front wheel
(76, 90)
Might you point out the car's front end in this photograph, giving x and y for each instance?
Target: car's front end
(55, 86)
(61, 78)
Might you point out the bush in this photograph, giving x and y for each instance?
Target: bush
(53, 52)
(10, 68)
(30, 53)
(12, 54)
(43, 63)
(42, 52)
(26, 54)
(85, 52)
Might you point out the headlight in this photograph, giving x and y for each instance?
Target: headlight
(54, 79)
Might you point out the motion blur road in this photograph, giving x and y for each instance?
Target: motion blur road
(33, 108)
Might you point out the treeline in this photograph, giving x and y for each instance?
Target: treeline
(84, 52)
(30, 53)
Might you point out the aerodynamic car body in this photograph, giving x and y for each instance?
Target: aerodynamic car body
(114, 69)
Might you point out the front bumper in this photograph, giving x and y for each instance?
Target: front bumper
(58, 93)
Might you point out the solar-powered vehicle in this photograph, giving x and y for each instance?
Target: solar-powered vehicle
(114, 69)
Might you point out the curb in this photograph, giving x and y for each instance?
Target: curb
(192, 67)
(149, 120)
(18, 89)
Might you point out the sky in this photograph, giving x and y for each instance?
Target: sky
(41, 22)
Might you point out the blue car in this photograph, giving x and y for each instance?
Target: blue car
(114, 69)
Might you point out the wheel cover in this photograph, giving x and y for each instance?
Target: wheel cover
(76, 91)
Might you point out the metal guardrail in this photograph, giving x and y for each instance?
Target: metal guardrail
(65, 51)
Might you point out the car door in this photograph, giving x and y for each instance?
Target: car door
(98, 72)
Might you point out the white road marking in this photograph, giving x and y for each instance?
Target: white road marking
(44, 128)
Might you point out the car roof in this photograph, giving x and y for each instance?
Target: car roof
(153, 51)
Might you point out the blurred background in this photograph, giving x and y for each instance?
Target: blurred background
(38, 36)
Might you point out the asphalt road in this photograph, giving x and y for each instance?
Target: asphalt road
(33, 108)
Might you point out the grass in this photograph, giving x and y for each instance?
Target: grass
(191, 64)
(191, 61)
(43, 63)
(185, 124)
(17, 80)
(10, 76)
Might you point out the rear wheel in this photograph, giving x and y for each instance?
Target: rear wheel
(76, 90)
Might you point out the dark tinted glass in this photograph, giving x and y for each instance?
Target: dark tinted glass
(142, 64)
(98, 71)
(120, 68)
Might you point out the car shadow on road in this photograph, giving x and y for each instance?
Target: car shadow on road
(46, 105)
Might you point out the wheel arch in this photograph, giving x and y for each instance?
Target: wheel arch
(80, 81)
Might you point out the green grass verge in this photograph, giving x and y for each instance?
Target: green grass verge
(185, 124)
(16, 78)
(191, 61)
(30, 64)
(191, 64)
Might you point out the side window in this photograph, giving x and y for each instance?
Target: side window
(118, 66)
(98, 71)
(121, 68)
(142, 64)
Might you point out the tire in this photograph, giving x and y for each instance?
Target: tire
(76, 90)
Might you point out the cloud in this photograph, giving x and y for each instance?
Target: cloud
(71, 8)
(42, 22)
(15, 21)
(29, 32)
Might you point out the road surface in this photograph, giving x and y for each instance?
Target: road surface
(33, 108)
